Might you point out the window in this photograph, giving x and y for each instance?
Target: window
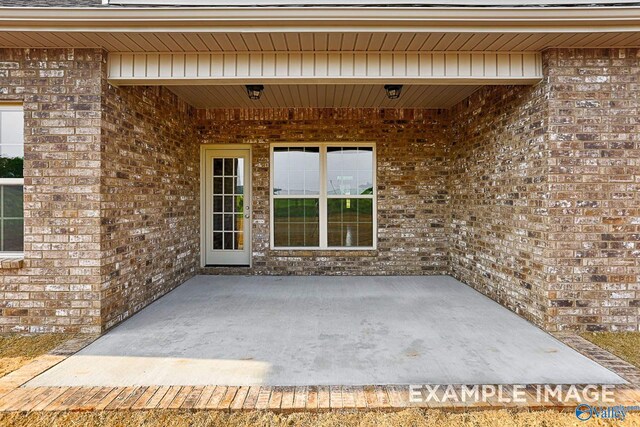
(11, 180)
(323, 196)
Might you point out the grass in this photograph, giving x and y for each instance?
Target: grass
(18, 350)
(410, 417)
(625, 345)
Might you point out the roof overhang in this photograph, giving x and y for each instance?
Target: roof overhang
(310, 19)
(371, 3)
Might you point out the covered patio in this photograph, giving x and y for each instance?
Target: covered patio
(290, 331)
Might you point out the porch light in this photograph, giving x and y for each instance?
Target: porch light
(254, 91)
(393, 91)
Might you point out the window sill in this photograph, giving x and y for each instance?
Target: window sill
(11, 263)
(328, 253)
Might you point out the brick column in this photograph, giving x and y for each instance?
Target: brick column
(58, 289)
(594, 157)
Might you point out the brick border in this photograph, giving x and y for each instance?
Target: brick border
(274, 399)
(601, 356)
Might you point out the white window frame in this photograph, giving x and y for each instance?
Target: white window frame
(12, 181)
(323, 196)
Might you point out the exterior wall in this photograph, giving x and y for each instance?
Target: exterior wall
(411, 150)
(111, 194)
(58, 288)
(151, 192)
(594, 141)
(498, 189)
(528, 194)
(544, 192)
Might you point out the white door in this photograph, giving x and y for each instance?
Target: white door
(227, 207)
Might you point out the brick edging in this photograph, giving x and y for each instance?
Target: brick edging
(601, 356)
(274, 399)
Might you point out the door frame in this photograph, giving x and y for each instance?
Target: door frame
(203, 199)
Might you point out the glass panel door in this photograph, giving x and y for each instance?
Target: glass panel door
(227, 207)
(228, 203)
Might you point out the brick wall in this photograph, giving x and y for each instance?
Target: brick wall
(151, 192)
(528, 194)
(411, 174)
(59, 287)
(498, 187)
(594, 143)
(544, 191)
(111, 194)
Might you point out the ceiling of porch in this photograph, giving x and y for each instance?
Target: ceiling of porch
(324, 96)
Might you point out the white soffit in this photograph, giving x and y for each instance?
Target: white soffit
(326, 68)
(324, 96)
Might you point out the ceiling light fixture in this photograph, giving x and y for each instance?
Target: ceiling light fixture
(393, 91)
(254, 91)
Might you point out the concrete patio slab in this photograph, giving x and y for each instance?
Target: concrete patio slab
(234, 330)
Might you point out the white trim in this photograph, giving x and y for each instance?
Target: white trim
(323, 196)
(16, 255)
(324, 68)
(203, 197)
(11, 181)
(326, 19)
(316, 3)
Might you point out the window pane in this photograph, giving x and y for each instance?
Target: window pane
(228, 204)
(217, 167)
(239, 243)
(239, 223)
(228, 222)
(296, 170)
(228, 241)
(350, 222)
(217, 185)
(240, 177)
(11, 142)
(296, 222)
(349, 170)
(217, 240)
(228, 185)
(217, 203)
(12, 131)
(217, 222)
(12, 201)
(11, 220)
(12, 235)
(228, 167)
(239, 203)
